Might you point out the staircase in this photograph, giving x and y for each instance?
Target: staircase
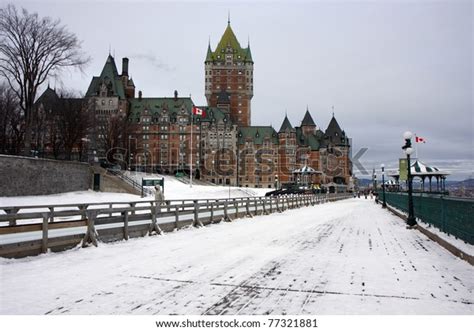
(131, 181)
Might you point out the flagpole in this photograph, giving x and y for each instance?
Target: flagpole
(191, 151)
(416, 147)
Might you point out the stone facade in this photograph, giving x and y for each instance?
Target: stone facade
(31, 176)
(220, 145)
(108, 101)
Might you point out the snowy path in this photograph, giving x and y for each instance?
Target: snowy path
(339, 258)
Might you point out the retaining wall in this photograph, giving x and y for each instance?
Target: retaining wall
(33, 176)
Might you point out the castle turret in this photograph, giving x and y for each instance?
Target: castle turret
(307, 125)
(229, 69)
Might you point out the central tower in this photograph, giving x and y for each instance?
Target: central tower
(229, 77)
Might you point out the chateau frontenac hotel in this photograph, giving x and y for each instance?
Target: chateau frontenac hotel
(154, 133)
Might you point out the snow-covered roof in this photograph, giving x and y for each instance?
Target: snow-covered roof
(418, 168)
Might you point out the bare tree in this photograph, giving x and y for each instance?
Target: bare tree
(31, 50)
(111, 133)
(11, 130)
(73, 122)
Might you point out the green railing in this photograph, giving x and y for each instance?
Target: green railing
(454, 216)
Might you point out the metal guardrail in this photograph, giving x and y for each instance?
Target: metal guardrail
(130, 181)
(31, 230)
(454, 216)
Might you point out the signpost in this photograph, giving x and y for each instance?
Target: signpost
(153, 181)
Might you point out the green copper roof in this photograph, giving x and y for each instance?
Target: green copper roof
(248, 56)
(229, 44)
(110, 77)
(209, 56)
(308, 120)
(257, 134)
(214, 115)
(228, 39)
(157, 106)
(110, 68)
(286, 125)
(310, 141)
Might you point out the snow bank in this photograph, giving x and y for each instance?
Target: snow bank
(174, 190)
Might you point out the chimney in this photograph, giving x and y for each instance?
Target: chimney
(175, 95)
(125, 66)
(140, 95)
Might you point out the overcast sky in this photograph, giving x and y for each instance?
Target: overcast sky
(386, 67)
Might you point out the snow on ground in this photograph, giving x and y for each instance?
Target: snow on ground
(69, 198)
(347, 257)
(174, 190)
(456, 242)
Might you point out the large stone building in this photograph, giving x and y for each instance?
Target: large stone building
(220, 146)
(59, 126)
(108, 101)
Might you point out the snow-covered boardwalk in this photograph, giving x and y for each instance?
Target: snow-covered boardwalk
(344, 257)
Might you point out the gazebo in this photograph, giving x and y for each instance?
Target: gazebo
(305, 176)
(391, 185)
(422, 171)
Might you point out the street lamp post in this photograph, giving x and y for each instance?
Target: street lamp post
(411, 220)
(212, 171)
(384, 203)
(130, 154)
(374, 181)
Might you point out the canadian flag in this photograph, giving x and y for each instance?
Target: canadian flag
(198, 111)
(420, 140)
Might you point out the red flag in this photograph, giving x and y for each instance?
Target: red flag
(199, 111)
(420, 140)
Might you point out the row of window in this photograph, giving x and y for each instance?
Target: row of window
(106, 111)
(103, 102)
(218, 72)
(209, 86)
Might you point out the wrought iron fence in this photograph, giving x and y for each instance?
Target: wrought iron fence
(454, 216)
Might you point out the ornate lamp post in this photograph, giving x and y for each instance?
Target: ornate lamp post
(384, 203)
(411, 220)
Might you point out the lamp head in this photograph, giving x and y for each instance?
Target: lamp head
(407, 135)
(409, 151)
(382, 165)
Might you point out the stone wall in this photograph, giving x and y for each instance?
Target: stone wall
(31, 176)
